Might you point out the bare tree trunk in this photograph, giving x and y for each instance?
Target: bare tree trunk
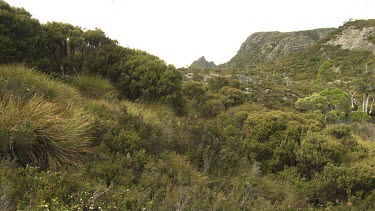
(364, 103)
(367, 99)
(372, 105)
(352, 99)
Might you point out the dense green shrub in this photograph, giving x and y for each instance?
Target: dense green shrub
(359, 116)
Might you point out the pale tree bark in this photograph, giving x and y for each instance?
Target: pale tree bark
(364, 109)
(367, 100)
(352, 99)
(372, 105)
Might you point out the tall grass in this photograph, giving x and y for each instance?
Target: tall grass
(41, 120)
(24, 82)
(154, 114)
(93, 86)
(36, 132)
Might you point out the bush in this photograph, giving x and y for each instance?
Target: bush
(170, 182)
(348, 183)
(359, 116)
(212, 108)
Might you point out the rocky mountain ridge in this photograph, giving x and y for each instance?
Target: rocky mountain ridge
(264, 46)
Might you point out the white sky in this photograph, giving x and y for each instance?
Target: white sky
(181, 31)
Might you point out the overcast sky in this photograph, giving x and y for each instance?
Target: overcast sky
(181, 31)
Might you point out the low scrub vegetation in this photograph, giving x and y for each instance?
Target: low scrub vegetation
(102, 127)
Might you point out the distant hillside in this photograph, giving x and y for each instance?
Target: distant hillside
(264, 46)
(202, 63)
(350, 49)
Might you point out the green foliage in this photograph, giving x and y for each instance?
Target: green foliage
(235, 96)
(93, 86)
(325, 73)
(172, 183)
(349, 183)
(235, 145)
(334, 103)
(138, 75)
(66, 47)
(359, 116)
(37, 131)
(217, 82)
(19, 34)
(25, 83)
(212, 108)
(194, 90)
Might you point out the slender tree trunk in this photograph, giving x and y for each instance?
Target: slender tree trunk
(372, 105)
(367, 99)
(364, 102)
(352, 99)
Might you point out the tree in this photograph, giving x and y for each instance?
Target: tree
(96, 38)
(325, 73)
(61, 42)
(19, 34)
(365, 85)
(332, 103)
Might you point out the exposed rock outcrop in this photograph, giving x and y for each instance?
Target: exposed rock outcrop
(354, 38)
(202, 63)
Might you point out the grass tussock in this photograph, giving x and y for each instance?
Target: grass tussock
(37, 132)
(104, 109)
(24, 82)
(155, 114)
(93, 86)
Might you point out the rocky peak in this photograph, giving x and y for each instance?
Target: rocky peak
(202, 63)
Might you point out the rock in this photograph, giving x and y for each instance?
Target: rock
(354, 38)
(202, 63)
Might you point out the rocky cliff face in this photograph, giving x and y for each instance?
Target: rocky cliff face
(202, 63)
(265, 46)
(355, 38)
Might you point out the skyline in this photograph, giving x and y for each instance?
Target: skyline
(180, 32)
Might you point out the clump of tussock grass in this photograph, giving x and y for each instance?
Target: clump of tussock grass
(41, 120)
(25, 83)
(36, 132)
(154, 114)
(93, 86)
(104, 108)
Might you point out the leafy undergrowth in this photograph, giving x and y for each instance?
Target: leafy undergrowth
(99, 152)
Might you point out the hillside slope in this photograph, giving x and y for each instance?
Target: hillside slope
(350, 49)
(265, 46)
